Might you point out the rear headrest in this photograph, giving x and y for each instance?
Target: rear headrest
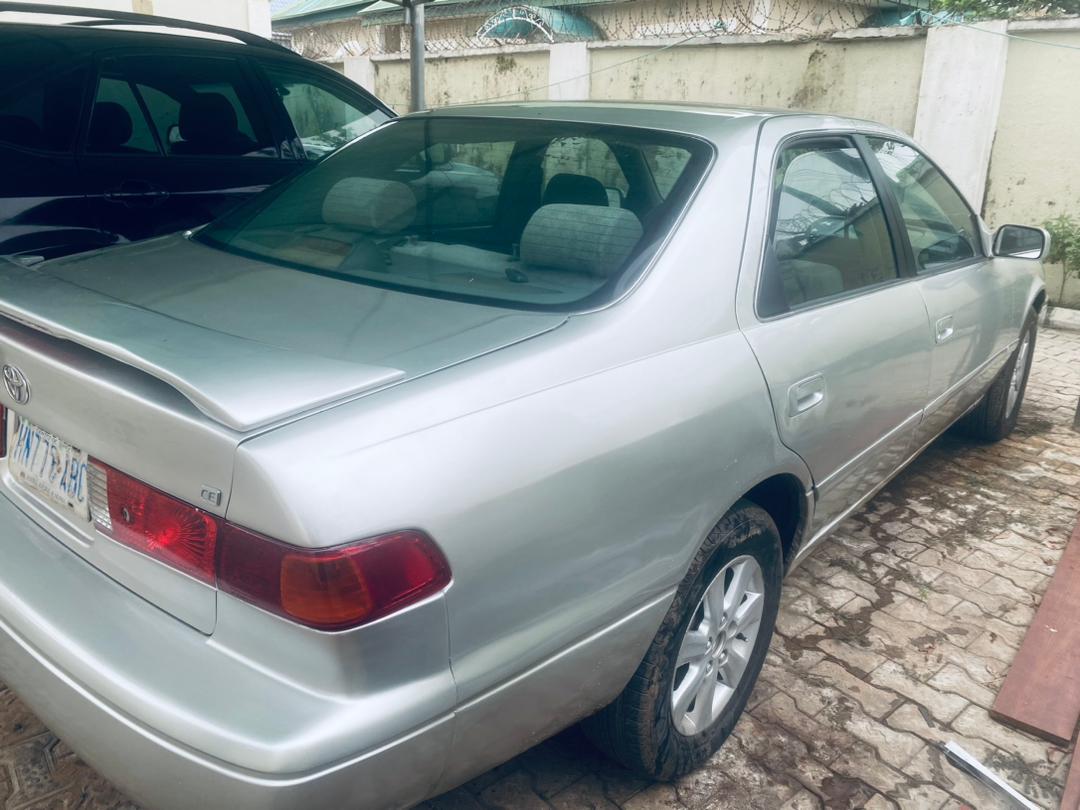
(367, 204)
(110, 127)
(578, 189)
(580, 238)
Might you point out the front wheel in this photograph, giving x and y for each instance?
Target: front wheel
(995, 416)
(696, 677)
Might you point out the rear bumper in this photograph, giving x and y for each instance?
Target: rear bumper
(69, 637)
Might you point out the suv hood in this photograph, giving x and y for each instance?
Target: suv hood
(250, 343)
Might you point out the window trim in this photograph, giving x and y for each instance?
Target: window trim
(946, 267)
(850, 137)
(258, 115)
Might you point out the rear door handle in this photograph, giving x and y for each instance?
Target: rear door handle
(806, 394)
(943, 329)
(137, 193)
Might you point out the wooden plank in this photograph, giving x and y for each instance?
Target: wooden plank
(1070, 800)
(1041, 693)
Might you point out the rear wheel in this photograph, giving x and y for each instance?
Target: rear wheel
(995, 416)
(697, 675)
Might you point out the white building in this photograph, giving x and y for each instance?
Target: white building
(247, 15)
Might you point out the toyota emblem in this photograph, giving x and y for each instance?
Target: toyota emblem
(18, 387)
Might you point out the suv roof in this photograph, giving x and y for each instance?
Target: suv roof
(100, 18)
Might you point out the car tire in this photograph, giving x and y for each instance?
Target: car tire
(643, 729)
(996, 413)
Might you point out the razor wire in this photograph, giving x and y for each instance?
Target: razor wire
(463, 25)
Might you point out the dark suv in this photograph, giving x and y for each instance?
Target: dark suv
(114, 128)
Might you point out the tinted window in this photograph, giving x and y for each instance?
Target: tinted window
(460, 208)
(200, 107)
(117, 123)
(323, 116)
(829, 234)
(43, 114)
(940, 225)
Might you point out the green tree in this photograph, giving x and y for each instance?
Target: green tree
(1064, 247)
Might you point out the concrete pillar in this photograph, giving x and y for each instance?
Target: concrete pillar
(361, 70)
(959, 98)
(258, 17)
(568, 71)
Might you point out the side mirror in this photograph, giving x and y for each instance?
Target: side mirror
(1021, 242)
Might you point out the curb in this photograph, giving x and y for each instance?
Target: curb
(1061, 318)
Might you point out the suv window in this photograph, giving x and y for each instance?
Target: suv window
(829, 235)
(323, 116)
(43, 114)
(117, 123)
(198, 107)
(939, 223)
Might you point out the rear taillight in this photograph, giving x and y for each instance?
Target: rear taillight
(336, 588)
(328, 589)
(3, 431)
(152, 522)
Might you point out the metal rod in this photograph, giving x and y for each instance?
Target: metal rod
(416, 56)
(961, 759)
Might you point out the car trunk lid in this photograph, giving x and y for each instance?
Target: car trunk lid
(160, 358)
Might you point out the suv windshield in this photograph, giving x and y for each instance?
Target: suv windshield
(528, 214)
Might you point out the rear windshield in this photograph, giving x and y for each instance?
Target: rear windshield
(528, 214)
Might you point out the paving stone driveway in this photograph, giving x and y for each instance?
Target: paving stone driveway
(893, 637)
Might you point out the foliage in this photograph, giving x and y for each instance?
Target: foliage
(1065, 243)
(1006, 9)
(1064, 247)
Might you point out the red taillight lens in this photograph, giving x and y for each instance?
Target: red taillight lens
(152, 522)
(328, 589)
(331, 589)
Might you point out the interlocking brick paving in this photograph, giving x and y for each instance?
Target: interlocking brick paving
(893, 637)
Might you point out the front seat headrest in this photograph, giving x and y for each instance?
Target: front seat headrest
(110, 127)
(208, 125)
(369, 205)
(580, 238)
(576, 189)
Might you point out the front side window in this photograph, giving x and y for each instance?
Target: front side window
(197, 107)
(939, 223)
(323, 116)
(464, 208)
(43, 114)
(829, 235)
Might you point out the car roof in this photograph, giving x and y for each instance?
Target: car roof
(710, 121)
(107, 33)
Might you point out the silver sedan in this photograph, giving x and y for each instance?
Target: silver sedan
(499, 419)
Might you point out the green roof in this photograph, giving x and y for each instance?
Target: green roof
(321, 10)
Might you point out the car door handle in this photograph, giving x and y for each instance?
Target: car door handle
(137, 193)
(806, 394)
(943, 329)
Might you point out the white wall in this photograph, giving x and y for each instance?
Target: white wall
(247, 15)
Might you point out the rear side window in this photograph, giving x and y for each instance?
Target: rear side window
(43, 114)
(117, 123)
(829, 235)
(939, 223)
(322, 114)
(197, 107)
(475, 209)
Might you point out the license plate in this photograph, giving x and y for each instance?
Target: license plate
(48, 466)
